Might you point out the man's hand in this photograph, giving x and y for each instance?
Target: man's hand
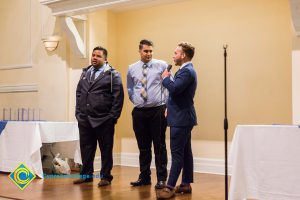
(165, 74)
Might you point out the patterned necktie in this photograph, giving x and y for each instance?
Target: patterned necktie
(94, 74)
(144, 83)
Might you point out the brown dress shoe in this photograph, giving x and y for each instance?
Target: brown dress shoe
(165, 193)
(183, 189)
(103, 182)
(82, 180)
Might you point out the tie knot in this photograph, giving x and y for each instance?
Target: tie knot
(94, 74)
(145, 66)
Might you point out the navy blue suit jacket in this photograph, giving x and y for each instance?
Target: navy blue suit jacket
(101, 100)
(181, 111)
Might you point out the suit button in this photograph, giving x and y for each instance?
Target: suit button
(88, 104)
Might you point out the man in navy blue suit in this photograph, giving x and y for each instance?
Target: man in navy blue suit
(181, 118)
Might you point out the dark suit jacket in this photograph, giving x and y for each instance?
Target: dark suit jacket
(101, 100)
(181, 111)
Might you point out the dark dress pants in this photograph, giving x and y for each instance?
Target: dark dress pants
(89, 136)
(150, 125)
(182, 156)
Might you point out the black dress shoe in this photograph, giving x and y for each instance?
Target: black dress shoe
(160, 185)
(183, 189)
(140, 182)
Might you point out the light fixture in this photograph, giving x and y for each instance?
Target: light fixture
(51, 42)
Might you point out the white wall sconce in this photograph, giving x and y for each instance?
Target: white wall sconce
(51, 42)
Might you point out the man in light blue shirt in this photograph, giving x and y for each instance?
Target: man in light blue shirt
(148, 96)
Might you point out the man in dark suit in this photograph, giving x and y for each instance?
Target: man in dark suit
(181, 118)
(99, 101)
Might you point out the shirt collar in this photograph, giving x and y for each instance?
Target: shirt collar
(93, 68)
(185, 64)
(148, 63)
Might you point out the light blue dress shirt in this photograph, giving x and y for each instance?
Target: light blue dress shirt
(91, 69)
(157, 94)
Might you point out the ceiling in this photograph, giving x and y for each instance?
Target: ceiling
(76, 7)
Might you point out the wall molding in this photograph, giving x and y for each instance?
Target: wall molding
(201, 165)
(74, 34)
(10, 67)
(295, 8)
(22, 66)
(19, 88)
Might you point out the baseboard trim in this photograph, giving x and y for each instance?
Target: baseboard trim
(201, 165)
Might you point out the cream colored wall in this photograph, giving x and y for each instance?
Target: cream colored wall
(21, 44)
(15, 39)
(15, 50)
(259, 57)
(259, 61)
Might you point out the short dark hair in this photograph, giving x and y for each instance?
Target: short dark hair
(101, 49)
(145, 42)
(188, 49)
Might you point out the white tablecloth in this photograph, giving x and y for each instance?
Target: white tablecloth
(21, 141)
(265, 163)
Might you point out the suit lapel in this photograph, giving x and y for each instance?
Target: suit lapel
(101, 75)
(176, 73)
(180, 70)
